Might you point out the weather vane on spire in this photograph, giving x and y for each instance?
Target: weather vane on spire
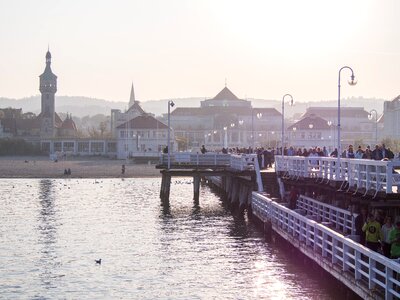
(225, 82)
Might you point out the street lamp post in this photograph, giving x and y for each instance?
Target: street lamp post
(376, 123)
(293, 136)
(331, 136)
(170, 104)
(339, 147)
(240, 133)
(283, 118)
(225, 137)
(259, 116)
(270, 144)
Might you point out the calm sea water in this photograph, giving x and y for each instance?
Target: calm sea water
(52, 230)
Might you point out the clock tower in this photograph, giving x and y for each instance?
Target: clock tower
(48, 89)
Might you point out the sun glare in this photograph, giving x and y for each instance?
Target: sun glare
(287, 26)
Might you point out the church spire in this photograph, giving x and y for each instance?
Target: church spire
(132, 99)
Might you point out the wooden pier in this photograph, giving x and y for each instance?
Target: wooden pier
(238, 174)
(322, 225)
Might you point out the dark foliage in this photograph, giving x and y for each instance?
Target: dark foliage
(18, 147)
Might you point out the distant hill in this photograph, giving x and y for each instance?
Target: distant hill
(85, 106)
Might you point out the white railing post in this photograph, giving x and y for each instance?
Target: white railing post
(357, 265)
(371, 273)
(389, 283)
(334, 251)
(345, 266)
(324, 244)
(378, 271)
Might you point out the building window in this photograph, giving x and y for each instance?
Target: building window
(83, 146)
(69, 146)
(97, 147)
(112, 147)
(57, 146)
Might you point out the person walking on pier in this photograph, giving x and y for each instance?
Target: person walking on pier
(359, 222)
(386, 229)
(373, 234)
(394, 237)
(377, 153)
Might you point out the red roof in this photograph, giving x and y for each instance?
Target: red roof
(68, 124)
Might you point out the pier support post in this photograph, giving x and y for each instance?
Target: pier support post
(268, 229)
(165, 187)
(162, 186)
(196, 188)
(243, 196)
(234, 191)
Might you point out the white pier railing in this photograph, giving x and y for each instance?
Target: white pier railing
(362, 174)
(239, 162)
(342, 257)
(342, 220)
(199, 159)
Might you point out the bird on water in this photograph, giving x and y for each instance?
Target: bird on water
(98, 261)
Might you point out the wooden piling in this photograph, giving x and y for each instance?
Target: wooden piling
(196, 187)
(165, 186)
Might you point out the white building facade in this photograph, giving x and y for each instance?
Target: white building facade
(226, 121)
(391, 112)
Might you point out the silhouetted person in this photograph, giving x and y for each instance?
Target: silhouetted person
(123, 169)
(203, 149)
(359, 222)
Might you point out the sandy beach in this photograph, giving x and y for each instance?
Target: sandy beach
(43, 167)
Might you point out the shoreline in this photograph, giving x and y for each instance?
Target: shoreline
(42, 167)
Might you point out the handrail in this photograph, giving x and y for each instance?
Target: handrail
(359, 261)
(362, 174)
(239, 162)
(206, 159)
(341, 219)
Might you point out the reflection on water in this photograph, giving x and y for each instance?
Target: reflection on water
(53, 230)
(48, 262)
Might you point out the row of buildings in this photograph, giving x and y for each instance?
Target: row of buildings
(222, 121)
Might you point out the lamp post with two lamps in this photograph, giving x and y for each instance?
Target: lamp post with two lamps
(259, 116)
(352, 81)
(294, 135)
(240, 134)
(283, 118)
(225, 137)
(332, 134)
(376, 123)
(170, 104)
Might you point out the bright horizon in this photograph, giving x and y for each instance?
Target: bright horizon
(179, 49)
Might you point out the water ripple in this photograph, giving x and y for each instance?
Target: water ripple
(53, 230)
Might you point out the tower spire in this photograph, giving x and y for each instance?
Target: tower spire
(48, 56)
(132, 99)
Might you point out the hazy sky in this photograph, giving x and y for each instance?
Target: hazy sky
(172, 49)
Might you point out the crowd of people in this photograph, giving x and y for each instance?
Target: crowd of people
(380, 152)
(378, 232)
